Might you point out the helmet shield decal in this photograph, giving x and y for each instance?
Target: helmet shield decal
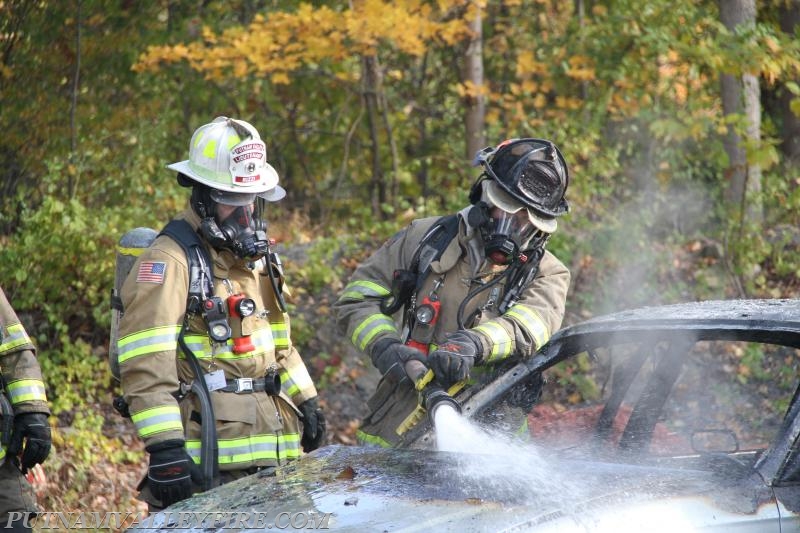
(247, 162)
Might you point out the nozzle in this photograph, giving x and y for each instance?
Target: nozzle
(435, 397)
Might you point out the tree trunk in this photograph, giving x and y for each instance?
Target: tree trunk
(72, 183)
(475, 116)
(741, 96)
(790, 123)
(370, 81)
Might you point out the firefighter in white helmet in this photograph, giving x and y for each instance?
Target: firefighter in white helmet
(226, 320)
(464, 292)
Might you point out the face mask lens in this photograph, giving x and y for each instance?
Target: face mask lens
(508, 234)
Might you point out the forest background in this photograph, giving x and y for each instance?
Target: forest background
(680, 121)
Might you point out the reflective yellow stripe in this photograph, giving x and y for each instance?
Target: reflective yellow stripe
(502, 343)
(136, 252)
(251, 448)
(201, 346)
(366, 438)
(17, 336)
(370, 328)
(2, 454)
(26, 390)
(159, 339)
(530, 320)
(280, 335)
(358, 290)
(157, 419)
(294, 380)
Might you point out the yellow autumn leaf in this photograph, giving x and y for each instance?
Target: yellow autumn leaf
(279, 78)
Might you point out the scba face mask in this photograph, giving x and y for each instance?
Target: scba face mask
(240, 231)
(507, 234)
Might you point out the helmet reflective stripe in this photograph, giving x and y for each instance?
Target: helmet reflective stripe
(502, 343)
(530, 320)
(250, 449)
(229, 155)
(371, 327)
(26, 390)
(157, 420)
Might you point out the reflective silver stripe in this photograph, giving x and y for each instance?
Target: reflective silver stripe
(502, 343)
(26, 390)
(157, 419)
(358, 290)
(17, 337)
(280, 334)
(251, 448)
(294, 380)
(370, 328)
(530, 320)
(201, 346)
(160, 339)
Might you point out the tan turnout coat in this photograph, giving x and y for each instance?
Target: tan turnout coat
(519, 332)
(253, 429)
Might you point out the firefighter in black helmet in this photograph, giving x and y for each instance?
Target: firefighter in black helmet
(487, 292)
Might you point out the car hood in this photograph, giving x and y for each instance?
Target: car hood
(371, 489)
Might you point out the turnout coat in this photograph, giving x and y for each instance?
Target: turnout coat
(254, 429)
(518, 332)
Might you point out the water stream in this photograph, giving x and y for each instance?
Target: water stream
(506, 465)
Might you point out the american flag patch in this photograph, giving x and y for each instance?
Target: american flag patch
(151, 272)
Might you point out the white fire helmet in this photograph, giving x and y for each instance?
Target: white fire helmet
(228, 155)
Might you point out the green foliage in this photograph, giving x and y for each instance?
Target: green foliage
(629, 92)
(574, 379)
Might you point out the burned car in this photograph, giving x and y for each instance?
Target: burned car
(680, 417)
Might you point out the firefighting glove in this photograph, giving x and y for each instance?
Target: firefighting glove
(387, 351)
(171, 471)
(453, 359)
(313, 425)
(34, 430)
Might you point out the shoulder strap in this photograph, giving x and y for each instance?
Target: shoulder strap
(201, 279)
(201, 284)
(406, 282)
(433, 245)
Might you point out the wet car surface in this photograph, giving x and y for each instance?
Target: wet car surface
(671, 418)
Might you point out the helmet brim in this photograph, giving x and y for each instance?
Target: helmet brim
(273, 195)
(266, 185)
(495, 195)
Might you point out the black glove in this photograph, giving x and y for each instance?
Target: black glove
(387, 351)
(452, 360)
(313, 425)
(34, 429)
(170, 473)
